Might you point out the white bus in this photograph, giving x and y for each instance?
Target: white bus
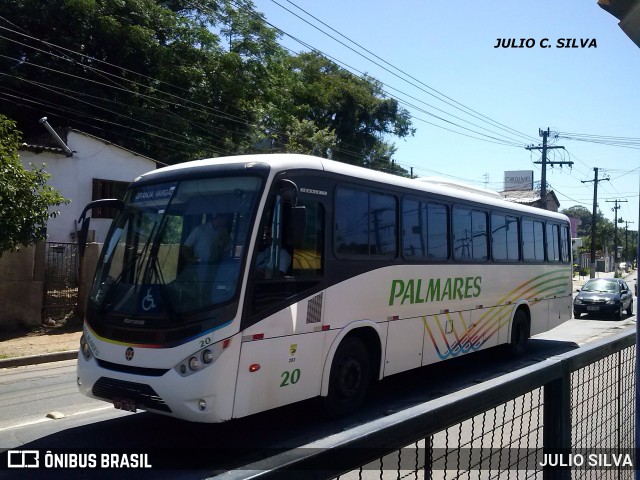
(371, 274)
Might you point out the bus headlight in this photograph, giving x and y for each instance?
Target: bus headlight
(85, 348)
(207, 356)
(194, 364)
(202, 358)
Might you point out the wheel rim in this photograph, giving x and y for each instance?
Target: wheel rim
(350, 378)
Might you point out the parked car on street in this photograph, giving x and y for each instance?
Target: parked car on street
(604, 296)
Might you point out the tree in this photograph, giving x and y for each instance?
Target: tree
(148, 75)
(605, 231)
(305, 137)
(25, 198)
(354, 108)
(583, 214)
(177, 80)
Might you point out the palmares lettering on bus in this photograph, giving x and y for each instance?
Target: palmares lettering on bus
(411, 290)
(231, 286)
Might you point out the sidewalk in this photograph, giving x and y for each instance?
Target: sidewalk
(580, 280)
(30, 348)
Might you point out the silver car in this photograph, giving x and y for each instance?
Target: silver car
(604, 296)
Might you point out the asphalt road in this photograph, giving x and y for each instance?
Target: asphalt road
(40, 408)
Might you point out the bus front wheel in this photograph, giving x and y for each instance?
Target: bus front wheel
(349, 378)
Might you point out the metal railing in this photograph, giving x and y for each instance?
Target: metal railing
(574, 412)
(61, 279)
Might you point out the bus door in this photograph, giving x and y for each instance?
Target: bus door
(282, 343)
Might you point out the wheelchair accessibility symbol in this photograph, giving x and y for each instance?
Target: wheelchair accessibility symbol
(148, 302)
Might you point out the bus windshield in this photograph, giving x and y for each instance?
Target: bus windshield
(176, 247)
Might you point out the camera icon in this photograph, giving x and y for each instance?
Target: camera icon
(23, 459)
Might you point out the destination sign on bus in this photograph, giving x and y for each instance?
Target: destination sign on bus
(154, 192)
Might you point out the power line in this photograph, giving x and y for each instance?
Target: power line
(450, 102)
(348, 67)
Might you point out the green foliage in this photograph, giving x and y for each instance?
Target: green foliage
(583, 215)
(354, 109)
(605, 232)
(25, 197)
(177, 80)
(305, 137)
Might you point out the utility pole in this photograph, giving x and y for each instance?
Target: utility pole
(626, 242)
(615, 233)
(592, 269)
(543, 181)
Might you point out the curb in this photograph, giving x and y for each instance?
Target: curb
(36, 359)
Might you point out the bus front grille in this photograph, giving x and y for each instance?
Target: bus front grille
(143, 395)
(156, 337)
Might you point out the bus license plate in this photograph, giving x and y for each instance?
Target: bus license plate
(593, 309)
(125, 404)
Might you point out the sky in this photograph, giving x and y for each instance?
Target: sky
(475, 107)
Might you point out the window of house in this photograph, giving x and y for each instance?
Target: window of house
(107, 189)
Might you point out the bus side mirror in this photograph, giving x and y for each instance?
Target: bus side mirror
(288, 190)
(84, 221)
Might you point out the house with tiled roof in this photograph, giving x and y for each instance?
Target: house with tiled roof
(532, 198)
(83, 168)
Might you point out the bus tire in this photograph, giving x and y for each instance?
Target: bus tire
(349, 378)
(519, 334)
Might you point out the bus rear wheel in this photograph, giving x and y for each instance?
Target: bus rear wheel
(519, 334)
(349, 378)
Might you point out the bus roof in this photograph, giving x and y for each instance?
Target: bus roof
(287, 161)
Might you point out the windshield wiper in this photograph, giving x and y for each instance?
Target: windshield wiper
(116, 281)
(126, 270)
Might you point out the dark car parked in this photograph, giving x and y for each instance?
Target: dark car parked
(604, 296)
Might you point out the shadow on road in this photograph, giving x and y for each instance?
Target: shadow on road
(204, 450)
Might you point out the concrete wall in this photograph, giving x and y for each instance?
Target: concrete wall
(21, 287)
(87, 271)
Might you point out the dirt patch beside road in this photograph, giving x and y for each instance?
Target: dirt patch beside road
(60, 336)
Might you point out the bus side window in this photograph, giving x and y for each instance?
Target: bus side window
(273, 291)
(308, 254)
